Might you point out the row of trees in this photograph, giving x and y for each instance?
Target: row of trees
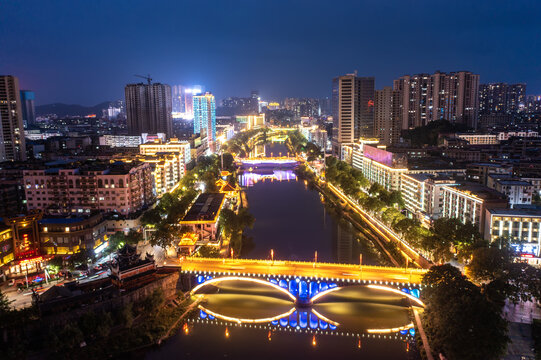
(446, 238)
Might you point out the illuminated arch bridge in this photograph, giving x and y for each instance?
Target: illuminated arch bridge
(305, 282)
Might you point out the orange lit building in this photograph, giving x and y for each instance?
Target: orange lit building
(25, 257)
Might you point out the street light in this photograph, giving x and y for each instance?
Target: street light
(272, 255)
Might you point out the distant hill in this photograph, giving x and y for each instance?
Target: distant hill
(70, 109)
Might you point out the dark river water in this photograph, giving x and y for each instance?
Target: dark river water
(294, 222)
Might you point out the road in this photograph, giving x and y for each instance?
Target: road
(382, 229)
(307, 269)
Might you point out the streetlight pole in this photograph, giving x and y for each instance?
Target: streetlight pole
(361, 264)
(272, 256)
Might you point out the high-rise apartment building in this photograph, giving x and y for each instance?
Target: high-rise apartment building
(12, 142)
(148, 108)
(204, 121)
(352, 108)
(303, 107)
(387, 123)
(501, 98)
(440, 96)
(28, 107)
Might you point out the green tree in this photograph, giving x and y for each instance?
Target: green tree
(391, 215)
(5, 305)
(460, 321)
(489, 263)
(209, 252)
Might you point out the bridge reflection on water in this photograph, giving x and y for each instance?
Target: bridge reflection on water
(356, 310)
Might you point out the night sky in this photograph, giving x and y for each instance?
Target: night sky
(85, 51)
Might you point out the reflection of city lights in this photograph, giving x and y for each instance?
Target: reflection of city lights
(262, 282)
(248, 321)
(269, 336)
(185, 328)
(226, 332)
(388, 331)
(314, 342)
(413, 298)
(359, 344)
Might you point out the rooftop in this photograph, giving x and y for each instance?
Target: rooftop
(480, 191)
(514, 182)
(205, 208)
(516, 212)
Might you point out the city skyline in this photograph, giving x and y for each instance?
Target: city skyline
(102, 58)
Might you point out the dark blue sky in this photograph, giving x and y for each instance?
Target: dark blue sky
(85, 51)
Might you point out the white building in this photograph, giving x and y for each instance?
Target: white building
(120, 140)
(480, 139)
(505, 135)
(422, 193)
(521, 226)
(517, 191)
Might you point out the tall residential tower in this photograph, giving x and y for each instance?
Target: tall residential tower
(352, 108)
(204, 120)
(12, 142)
(28, 108)
(440, 96)
(387, 124)
(148, 108)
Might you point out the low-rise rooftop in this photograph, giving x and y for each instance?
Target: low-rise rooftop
(205, 208)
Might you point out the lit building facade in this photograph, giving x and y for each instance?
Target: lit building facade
(250, 122)
(387, 122)
(204, 122)
(101, 186)
(12, 141)
(501, 98)
(521, 226)
(468, 203)
(69, 235)
(28, 107)
(353, 109)
(120, 140)
(20, 241)
(480, 139)
(383, 167)
(425, 98)
(422, 194)
(518, 192)
(168, 160)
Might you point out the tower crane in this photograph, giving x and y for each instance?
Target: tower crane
(148, 78)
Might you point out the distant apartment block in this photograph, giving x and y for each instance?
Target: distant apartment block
(120, 140)
(430, 97)
(479, 139)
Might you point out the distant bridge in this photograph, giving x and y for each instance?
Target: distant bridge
(268, 160)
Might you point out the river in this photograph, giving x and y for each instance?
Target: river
(294, 222)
